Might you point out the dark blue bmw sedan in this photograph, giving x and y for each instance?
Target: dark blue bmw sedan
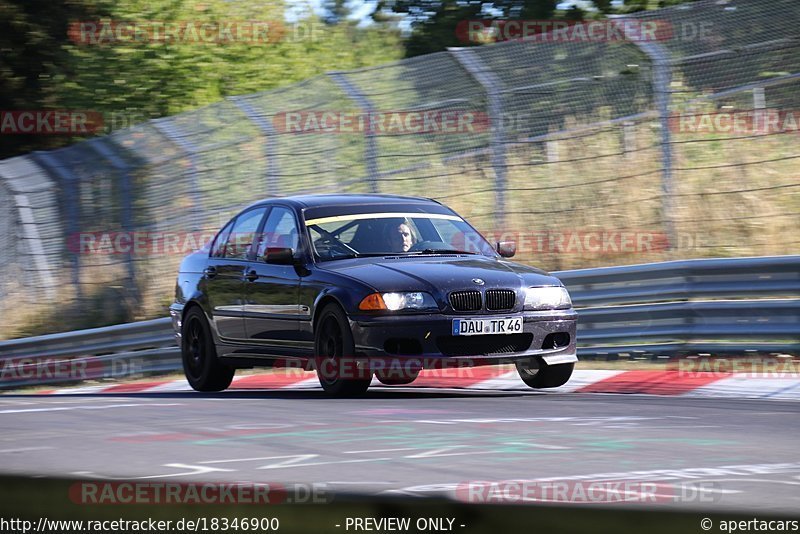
(356, 286)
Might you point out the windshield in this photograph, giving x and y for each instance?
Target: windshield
(396, 233)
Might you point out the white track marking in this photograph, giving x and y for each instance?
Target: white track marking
(192, 470)
(174, 385)
(81, 390)
(73, 408)
(298, 457)
(749, 387)
(306, 383)
(26, 449)
(282, 465)
(438, 453)
(290, 461)
(380, 450)
(538, 445)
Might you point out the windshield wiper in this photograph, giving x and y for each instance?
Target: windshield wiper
(445, 251)
(352, 255)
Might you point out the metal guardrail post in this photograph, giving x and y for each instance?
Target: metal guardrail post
(662, 77)
(265, 125)
(476, 68)
(100, 146)
(370, 144)
(166, 127)
(68, 184)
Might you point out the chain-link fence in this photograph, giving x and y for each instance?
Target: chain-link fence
(586, 151)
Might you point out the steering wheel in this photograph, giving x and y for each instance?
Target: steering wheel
(334, 245)
(423, 245)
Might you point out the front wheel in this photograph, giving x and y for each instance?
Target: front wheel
(202, 368)
(340, 374)
(544, 376)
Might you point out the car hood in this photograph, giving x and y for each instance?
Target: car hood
(438, 275)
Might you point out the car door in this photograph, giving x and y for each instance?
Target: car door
(272, 308)
(225, 272)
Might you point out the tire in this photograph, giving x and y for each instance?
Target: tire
(335, 349)
(543, 375)
(202, 368)
(394, 380)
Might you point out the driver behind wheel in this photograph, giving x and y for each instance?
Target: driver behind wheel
(399, 236)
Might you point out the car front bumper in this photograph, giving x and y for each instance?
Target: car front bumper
(429, 336)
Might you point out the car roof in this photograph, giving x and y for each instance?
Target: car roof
(345, 199)
(342, 199)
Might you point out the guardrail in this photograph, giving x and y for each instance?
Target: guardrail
(145, 347)
(663, 310)
(652, 311)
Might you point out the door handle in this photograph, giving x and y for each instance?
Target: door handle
(251, 276)
(210, 272)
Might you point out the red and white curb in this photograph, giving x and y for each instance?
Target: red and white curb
(502, 378)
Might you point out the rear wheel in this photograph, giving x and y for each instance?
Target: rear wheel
(202, 368)
(337, 369)
(539, 375)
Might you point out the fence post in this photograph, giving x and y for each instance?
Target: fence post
(370, 145)
(126, 199)
(759, 111)
(68, 184)
(491, 85)
(168, 129)
(628, 137)
(551, 147)
(268, 131)
(662, 77)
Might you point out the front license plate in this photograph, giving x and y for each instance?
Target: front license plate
(476, 327)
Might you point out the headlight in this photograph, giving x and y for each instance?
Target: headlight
(416, 300)
(547, 298)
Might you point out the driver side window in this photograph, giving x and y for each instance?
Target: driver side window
(280, 231)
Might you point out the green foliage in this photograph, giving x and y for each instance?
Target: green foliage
(31, 35)
(435, 23)
(439, 31)
(151, 78)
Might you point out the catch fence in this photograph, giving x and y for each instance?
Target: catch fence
(588, 153)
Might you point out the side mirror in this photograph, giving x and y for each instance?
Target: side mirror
(280, 256)
(506, 249)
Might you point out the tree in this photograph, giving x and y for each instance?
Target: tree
(336, 11)
(32, 33)
(48, 67)
(438, 24)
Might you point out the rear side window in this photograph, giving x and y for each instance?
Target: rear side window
(218, 250)
(241, 237)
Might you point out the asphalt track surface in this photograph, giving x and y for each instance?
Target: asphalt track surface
(710, 454)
